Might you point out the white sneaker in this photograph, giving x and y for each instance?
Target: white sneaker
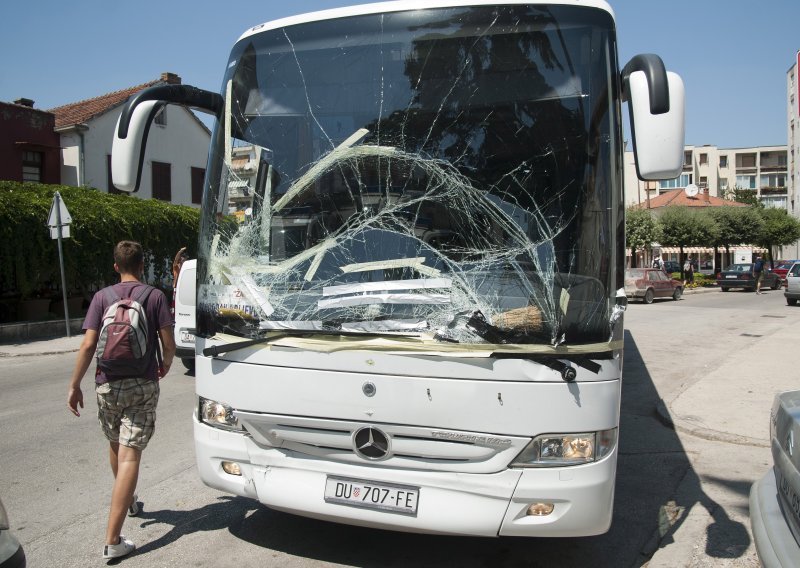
(124, 548)
(133, 510)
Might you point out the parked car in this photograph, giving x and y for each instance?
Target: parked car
(650, 283)
(792, 282)
(671, 266)
(11, 553)
(774, 510)
(185, 300)
(782, 267)
(741, 276)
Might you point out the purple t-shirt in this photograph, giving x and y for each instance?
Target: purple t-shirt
(156, 310)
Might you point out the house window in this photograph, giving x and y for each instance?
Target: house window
(162, 181)
(747, 161)
(682, 181)
(32, 166)
(723, 161)
(746, 182)
(687, 158)
(723, 183)
(703, 159)
(703, 182)
(773, 181)
(198, 175)
(110, 180)
(161, 116)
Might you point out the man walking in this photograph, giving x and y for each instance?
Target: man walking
(126, 402)
(758, 272)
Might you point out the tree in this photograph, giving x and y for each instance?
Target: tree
(779, 229)
(736, 225)
(682, 227)
(641, 230)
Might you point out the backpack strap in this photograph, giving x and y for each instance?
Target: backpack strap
(141, 296)
(111, 295)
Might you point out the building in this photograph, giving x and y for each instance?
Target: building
(176, 150)
(29, 147)
(793, 134)
(718, 172)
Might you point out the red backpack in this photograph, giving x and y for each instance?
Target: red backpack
(123, 349)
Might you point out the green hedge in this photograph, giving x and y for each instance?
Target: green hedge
(29, 257)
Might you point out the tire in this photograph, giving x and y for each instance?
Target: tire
(188, 363)
(725, 289)
(648, 296)
(777, 284)
(791, 302)
(676, 295)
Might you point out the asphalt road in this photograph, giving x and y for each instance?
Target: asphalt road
(55, 482)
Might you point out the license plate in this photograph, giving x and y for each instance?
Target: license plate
(365, 494)
(187, 337)
(730, 276)
(791, 498)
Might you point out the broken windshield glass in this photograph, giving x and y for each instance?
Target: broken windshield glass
(450, 172)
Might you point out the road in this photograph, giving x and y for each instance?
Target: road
(55, 482)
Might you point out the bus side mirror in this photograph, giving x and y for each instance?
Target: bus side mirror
(127, 154)
(133, 125)
(656, 103)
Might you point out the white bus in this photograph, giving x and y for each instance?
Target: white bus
(417, 324)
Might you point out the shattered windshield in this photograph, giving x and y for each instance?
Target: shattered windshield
(448, 172)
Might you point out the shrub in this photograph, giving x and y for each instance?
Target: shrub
(29, 256)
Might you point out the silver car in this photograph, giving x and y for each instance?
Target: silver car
(775, 498)
(792, 292)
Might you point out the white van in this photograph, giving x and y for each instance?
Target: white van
(185, 292)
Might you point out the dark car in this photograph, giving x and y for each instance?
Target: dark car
(671, 266)
(741, 276)
(650, 283)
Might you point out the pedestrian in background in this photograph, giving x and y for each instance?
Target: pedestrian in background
(758, 272)
(688, 272)
(126, 404)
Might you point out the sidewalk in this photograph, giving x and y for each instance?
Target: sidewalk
(730, 404)
(42, 346)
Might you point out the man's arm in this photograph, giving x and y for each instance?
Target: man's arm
(85, 354)
(167, 336)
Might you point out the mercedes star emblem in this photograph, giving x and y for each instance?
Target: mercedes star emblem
(370, 443)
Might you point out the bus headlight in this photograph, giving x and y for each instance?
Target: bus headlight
(550, 450)
(217, 414)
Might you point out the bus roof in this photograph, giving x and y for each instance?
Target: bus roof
(402, 5)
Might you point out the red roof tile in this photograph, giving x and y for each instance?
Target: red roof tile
(81, 111)
(679, 197)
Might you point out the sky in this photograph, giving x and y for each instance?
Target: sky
(733, 55)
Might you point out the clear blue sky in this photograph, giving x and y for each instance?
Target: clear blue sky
(733, 55)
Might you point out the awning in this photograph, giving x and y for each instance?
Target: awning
(704, 250)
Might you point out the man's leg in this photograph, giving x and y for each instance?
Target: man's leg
(126, 475)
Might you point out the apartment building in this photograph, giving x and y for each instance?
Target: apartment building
(718, 172)
(793, 134)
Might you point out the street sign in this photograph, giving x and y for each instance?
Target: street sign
(64, 232)
(58, 207)
(58, 221)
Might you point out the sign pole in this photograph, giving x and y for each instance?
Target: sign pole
(57, 198)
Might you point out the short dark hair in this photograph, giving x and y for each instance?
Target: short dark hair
(128, 256)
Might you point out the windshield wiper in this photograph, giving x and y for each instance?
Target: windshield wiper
(219, 349)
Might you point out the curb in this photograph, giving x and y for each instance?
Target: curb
(689, 427)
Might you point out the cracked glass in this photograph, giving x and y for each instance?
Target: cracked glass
(448, 174)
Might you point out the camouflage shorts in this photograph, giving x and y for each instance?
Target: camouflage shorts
(126, 409)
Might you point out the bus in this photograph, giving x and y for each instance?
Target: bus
(416, 324)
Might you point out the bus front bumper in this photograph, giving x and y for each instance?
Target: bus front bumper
(488, 505)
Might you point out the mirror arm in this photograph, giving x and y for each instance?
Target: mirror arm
(185, 95)
(657, 83)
